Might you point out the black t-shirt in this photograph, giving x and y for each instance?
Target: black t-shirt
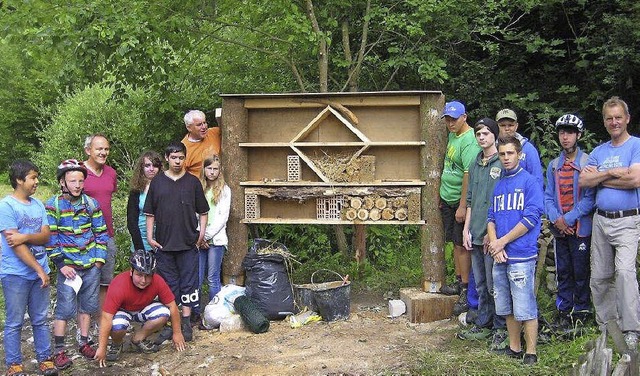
(174, 204)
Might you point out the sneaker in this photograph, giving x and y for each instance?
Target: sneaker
(165, 334)
(15, 370)
(582, 318)
(512, 354)
(631, 339)
(500, 340)
(530, 359)
(562, 321)
(47, 368)
(87, 351)
(113, 352)
(61, 360)
(187, 330)
(475, 333)
(472, 315)
(453, 289)
(145, 346)
(462, 305)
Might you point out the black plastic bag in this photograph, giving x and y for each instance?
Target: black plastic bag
(267, 281)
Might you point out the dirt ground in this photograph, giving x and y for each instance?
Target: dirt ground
(369, 343)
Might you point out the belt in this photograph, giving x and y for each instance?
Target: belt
(619, 213)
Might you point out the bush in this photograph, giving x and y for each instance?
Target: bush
(95, 109)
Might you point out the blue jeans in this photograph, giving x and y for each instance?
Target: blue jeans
(513, 287)
(87, 300)
(482, 266)
(211, 264)
(22, 295)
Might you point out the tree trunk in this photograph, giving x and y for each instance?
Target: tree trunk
(360, 243)
(341, 241)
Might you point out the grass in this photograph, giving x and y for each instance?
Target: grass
(457, 358)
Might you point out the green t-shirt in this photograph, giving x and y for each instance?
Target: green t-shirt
(461, 152)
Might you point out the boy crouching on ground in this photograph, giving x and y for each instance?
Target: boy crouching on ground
(132, 297)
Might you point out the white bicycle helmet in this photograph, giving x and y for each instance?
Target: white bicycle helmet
(570, 121)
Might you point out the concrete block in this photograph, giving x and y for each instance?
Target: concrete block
(396, 307)
(426, 307)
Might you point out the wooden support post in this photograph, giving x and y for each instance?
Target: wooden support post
(235, 163)
(360, 243)
(432, 159)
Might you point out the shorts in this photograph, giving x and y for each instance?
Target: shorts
(513, 290)
(106, 272)
(86, 301)
(452, 229)
(154, 311)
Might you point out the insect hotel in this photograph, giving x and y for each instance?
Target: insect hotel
(338, 158)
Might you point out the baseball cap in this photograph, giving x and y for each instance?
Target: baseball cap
(453, 109)
(491, 124)
(506, 114)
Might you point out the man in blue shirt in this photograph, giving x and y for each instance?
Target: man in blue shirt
(613, 168)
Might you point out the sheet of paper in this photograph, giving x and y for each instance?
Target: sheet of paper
(74, 283)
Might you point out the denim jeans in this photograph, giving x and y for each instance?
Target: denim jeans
(211, 265)
(22, 295)
(87, 299)
(513, 286)
(482, 265)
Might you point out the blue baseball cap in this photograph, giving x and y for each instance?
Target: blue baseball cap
(453, 109)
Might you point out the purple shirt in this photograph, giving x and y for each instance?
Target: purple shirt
(102, 188)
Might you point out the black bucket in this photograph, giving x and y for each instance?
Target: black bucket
(333, 299)
(303, 295)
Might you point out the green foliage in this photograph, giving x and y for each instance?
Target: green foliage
(95, 109)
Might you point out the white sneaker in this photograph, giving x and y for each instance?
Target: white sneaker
(631, 339)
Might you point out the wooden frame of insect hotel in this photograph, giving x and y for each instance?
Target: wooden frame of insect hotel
(335, 158)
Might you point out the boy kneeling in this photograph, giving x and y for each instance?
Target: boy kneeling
(132, 297)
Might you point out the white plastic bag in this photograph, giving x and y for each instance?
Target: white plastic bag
(221, 306)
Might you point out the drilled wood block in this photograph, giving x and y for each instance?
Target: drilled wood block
(426, 307)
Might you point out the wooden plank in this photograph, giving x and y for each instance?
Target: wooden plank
(313, 221)
(311, 165)
(312, 124)
(623, 366)
(377, 183)
(307, 193)
(303, 143)
(409, 100)
(349, 125)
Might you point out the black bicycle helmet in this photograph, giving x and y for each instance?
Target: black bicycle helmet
(143, 261)
(570, 121)
(71, 165)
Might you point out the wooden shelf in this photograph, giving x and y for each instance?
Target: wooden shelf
(403, 183)
(311, 221)
(320, 144)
